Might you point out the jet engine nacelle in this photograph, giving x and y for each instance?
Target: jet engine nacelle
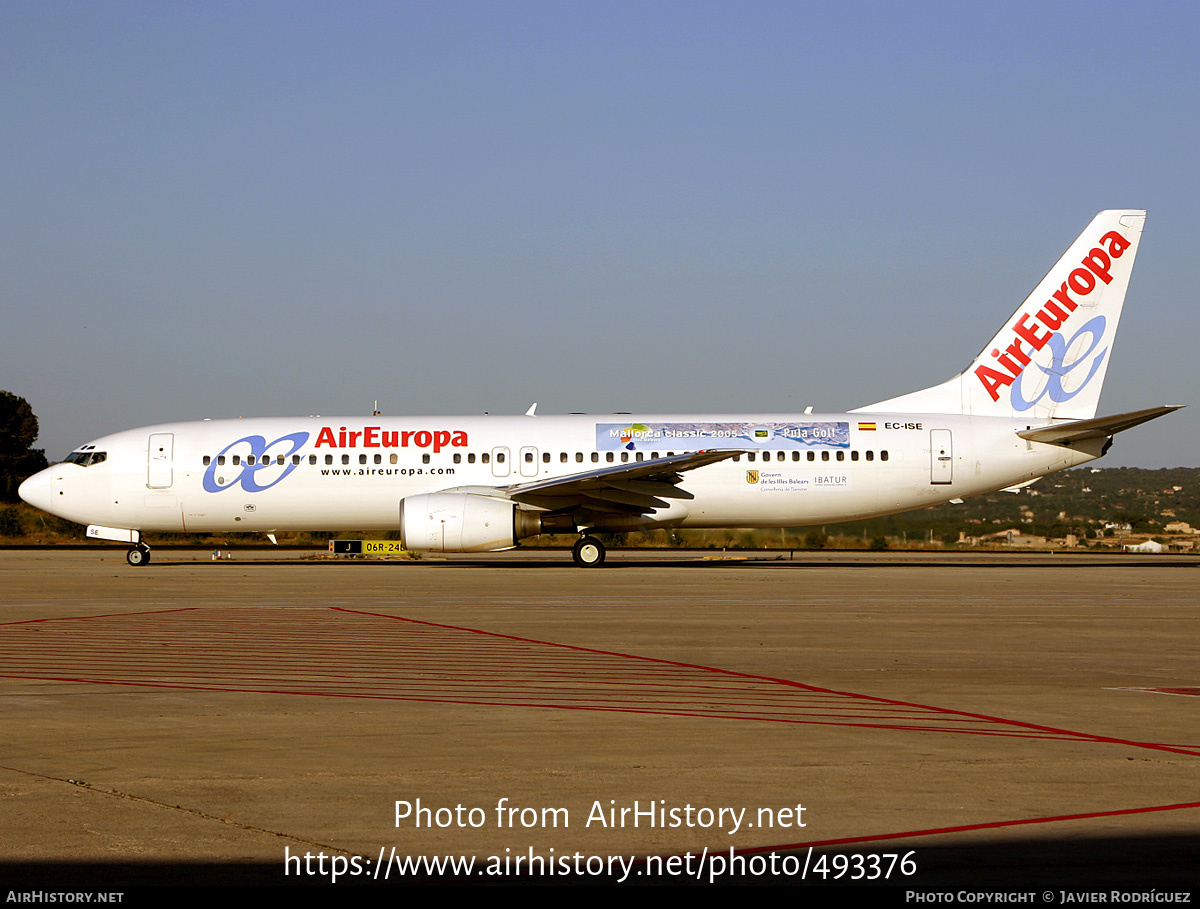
(463, 522)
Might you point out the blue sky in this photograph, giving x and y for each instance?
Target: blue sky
(220, 209)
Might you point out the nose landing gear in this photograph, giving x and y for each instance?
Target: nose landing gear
(138, 556)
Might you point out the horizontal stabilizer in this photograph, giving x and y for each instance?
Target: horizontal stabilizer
(1020, 486)
(1098, 428)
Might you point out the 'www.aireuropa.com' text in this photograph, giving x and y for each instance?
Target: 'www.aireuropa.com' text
(703, 866)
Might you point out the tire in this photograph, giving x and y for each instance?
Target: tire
(138, 557)
(588, 553)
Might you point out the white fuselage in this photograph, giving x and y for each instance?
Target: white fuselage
(281, 474)
(1023, 408)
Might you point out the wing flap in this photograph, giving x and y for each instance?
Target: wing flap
(650, 488)
(635, 488)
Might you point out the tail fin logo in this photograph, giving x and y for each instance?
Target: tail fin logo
(1058, 368)
(1095, 270)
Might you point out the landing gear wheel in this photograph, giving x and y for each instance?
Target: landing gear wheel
(138, 556)
(588, 552)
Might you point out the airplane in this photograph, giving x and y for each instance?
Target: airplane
(1024, 408)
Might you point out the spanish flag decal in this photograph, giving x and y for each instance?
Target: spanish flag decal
(866, 427)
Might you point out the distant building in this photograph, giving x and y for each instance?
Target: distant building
(1148, 546)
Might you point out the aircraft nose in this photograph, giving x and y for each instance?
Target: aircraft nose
(36, 490)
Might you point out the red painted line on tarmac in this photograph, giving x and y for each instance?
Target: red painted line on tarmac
(1050, 730)
(110, 615)
(644, 711)
(312, 652)
(965, 828)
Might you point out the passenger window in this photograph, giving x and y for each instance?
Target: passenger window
(220, 460)
(624, 457)
(608, 456)
(883, 455)
(854, 456)
(595, 457)
(362, 459)
(780, 456)
(295, 460)
(640, 455)
(825, 456)
(328, 459)
(841, 455)
(654, 456)
(795, 456)
(529, 457)
(737, 457)
(207, 460)
(470, 457)
(237, 459)
(393, 459)
(562, 457)
(751, 456)
(579, 457)
(812, 455)
(457, 458)
(545, 457)
(870, 456)
(424, 459)
(345, 459)
(312, 459)
(499, 457)
(378, 459)
(485, 458)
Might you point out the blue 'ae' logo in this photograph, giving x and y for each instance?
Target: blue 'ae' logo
(1057, 369)
(256, 456)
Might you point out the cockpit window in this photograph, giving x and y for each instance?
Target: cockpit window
(86, 458)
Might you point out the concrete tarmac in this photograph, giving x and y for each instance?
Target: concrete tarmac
(1004, 719)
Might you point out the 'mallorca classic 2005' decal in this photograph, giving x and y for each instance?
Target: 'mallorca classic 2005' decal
(647, 436)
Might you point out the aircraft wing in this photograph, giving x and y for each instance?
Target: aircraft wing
(1098, 428)
(634, 488)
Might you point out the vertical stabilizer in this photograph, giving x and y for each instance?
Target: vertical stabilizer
(1049, 359)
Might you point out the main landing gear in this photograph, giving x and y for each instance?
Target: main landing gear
(588, 552)
(138, 556)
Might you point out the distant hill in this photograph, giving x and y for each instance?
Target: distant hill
(1079, 501)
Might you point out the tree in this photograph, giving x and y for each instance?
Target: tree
(18, 431)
